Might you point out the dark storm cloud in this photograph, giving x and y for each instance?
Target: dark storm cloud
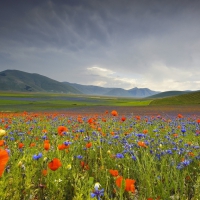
(156, 39)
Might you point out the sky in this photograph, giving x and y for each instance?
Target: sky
(151, 44)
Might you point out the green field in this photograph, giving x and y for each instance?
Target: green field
(184, 99)
(45, 101)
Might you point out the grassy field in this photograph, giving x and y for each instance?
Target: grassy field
(184, 99)
(44, 101)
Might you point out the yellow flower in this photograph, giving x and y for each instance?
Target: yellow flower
(20, 163)
(108, 152)
(2, 132)
(45, 158)
(69, 166)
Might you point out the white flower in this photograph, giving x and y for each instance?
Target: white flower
(97, 185)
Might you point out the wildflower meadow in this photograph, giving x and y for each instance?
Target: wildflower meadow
(50, 156)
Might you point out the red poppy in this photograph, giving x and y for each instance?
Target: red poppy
(46, 145)
(20, 145)
(118, 181)
(123, 118)
(88, 145)
(114, 172)
(44, 172)
(180, 116)
(129, 184)
(175, 135)
(114, 113)
(3, 160)
(142, 144)
(90, 121)
(84, 165)
(32, 145)
(145, 131)
(62, 129)
(198, 121)
(138, 117)
(54, 164)
(2, 142)
(103, 120)
(62, 146)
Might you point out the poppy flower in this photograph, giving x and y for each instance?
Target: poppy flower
(129, 184)
(114, 172)
(54, 164)
(114, 113)
(138, 117)
(20, 145)
(198, 121)
(180, 116)
(62, 146)
(90, 121)
(145, 131)
(2, 142)
(88, 145)
(142, 144)
(123, 119)
(84, 165)
(46, 145)
(32, 145)
(44, 172)
(61, 130)
(118, 181)
(3, 160)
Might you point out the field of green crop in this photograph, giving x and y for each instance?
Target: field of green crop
(43, 102)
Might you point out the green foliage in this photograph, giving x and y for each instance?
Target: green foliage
(185, 99)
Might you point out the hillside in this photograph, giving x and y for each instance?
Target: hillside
(184, 99)
(142, 92)
(90, 89)
(15, 80)
(168, 94)
(97, 90)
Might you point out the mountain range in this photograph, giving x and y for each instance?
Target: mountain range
(15, 80)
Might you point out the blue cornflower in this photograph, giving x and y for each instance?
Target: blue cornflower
(134, 158)
(37, 157)
(79, 157)
(183, 130)
(119, 155)
(169, 151)
(67, 143)
(185, 162)
(97, 193)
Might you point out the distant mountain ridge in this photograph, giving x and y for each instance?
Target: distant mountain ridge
(97, 90)
(15, 80)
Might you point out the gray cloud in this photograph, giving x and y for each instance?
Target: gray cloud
(147, 43)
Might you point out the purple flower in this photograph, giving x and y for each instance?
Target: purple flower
(97, 193)
(79, 157)
(119, 155)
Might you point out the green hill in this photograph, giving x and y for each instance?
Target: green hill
(168, 94)
(15, 80)
(184, 99)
